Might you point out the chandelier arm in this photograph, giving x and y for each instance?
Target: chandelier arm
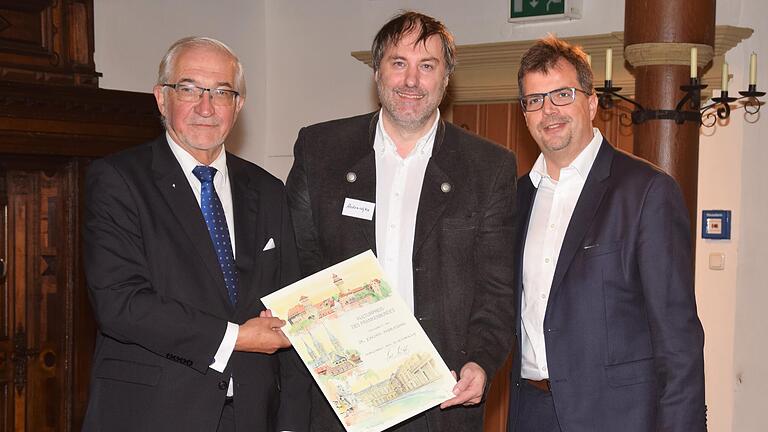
(609, 92)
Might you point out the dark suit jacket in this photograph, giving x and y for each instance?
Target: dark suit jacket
(161, 304)
(462, 261)
(624, 343)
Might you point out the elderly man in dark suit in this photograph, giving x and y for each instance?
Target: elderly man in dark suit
(434, 202)
(182, 239)
(608, 335)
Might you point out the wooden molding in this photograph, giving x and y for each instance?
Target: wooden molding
(71, 121)
(488, 72)
(663, 53)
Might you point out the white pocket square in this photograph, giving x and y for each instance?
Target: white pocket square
(270, 244)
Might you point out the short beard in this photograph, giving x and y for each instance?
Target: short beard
(408, 124)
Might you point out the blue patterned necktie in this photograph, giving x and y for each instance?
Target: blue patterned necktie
(213, 212)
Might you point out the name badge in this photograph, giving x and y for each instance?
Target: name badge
(358, 209)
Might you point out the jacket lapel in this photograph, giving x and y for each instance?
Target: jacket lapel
(433, 198)
(526, 193)
(364, 189)
(361, 185)
(248, 227)
(174, 187)
(584, 212)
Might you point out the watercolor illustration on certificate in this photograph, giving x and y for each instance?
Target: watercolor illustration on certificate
(362, 344)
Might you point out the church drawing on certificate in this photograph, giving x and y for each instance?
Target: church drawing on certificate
(352, 387)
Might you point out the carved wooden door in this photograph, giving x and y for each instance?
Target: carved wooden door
(37, 215)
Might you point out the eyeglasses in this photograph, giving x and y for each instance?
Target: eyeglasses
(193, 93)
(558, 97)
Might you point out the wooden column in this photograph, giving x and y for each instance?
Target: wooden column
(658, 36)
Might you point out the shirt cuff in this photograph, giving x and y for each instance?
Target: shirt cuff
(226, 348)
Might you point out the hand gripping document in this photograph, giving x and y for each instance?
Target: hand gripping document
(362, 344)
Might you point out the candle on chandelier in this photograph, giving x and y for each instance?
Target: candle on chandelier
(608, 64)
(753, 69)
(724, 78)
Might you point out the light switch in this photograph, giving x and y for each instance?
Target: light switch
(717, 261)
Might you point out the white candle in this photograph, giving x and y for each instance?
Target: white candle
(724, 78)
(753, 69)
(608, 64)
(694, 62)
(589, 60)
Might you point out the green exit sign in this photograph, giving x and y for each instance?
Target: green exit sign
(540, 10)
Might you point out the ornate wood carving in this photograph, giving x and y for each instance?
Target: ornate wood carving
(53, 121)
(47, 42)
(85, 122)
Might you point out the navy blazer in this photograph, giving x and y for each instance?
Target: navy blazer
(623, 339)
(161, 305)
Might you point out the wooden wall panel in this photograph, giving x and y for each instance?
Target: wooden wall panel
(497, 123)
(524, 146)
(466, 116)
(504, 124)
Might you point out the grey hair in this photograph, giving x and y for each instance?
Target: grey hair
(165, 71)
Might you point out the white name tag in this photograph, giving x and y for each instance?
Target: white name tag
(358, 209)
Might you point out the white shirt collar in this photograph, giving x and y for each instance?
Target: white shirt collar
(581, 165)
(188, 162)
(424, 145)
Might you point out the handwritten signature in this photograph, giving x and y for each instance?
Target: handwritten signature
(397, 351)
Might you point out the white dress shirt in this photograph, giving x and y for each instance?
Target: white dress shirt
(224, 191)
(550, 215)
(398, 189)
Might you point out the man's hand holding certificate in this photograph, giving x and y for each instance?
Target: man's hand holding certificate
(365, 349)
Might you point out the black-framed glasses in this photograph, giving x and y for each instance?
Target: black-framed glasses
(193, 93)
(558, 97)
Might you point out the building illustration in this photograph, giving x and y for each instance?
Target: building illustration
(362, 345)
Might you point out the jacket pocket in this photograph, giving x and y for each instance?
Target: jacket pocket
(461, 223)
(635, 372)
(591, 250)
(128, 371)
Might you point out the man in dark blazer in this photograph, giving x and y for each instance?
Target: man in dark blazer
(608, 336)
(184, 342)
(434, 202)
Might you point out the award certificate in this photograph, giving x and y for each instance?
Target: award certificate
(363, 346)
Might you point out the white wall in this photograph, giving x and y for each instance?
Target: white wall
(132, 36)
(299, 71)
(743, 183)
(732, 301)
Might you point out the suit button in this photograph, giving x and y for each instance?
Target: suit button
(222, 385)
